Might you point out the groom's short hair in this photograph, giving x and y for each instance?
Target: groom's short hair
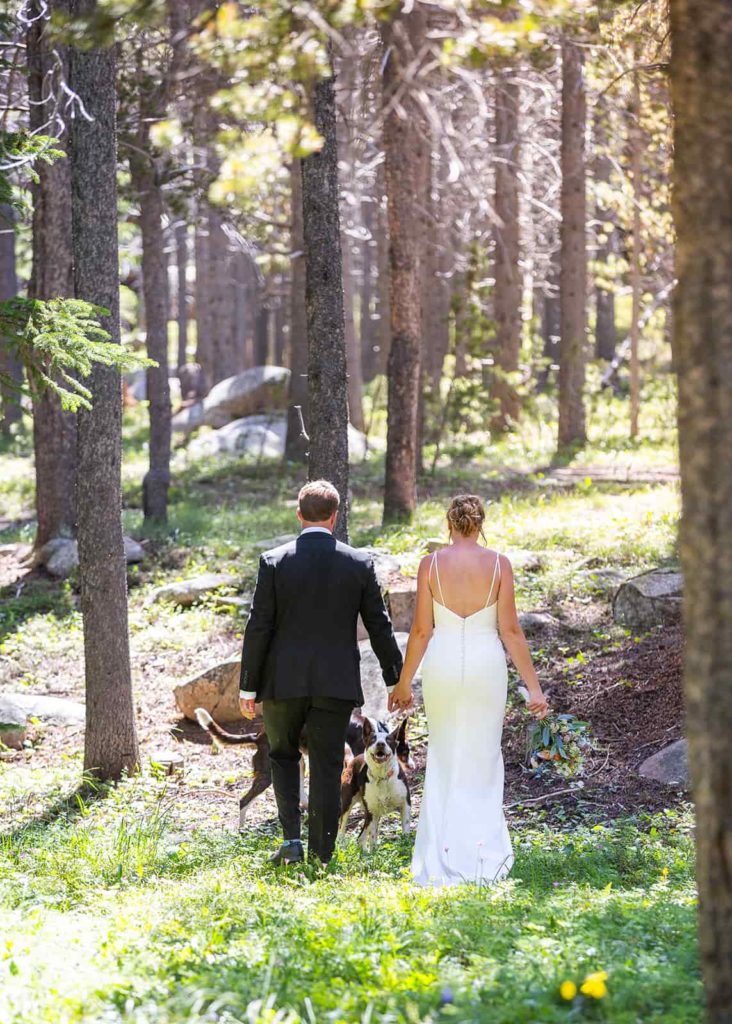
(317, 501)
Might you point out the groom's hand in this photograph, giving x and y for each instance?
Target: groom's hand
(247, 708)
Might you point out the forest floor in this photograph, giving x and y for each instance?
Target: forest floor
(143, 904)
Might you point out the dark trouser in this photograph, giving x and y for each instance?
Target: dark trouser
(326, 721)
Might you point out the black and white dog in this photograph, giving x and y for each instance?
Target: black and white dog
(262, 775)
(377, 781)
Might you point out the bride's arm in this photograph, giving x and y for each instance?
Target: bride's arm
(515, 642)
(419, 637)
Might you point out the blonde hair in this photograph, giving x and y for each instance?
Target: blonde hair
(466, 515)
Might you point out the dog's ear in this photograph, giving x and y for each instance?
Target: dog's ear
(399, 732)
(368, 731)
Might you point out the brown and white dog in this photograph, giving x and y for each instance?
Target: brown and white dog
(261, 770)
(377, 781)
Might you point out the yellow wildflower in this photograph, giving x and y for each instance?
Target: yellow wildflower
(568, 990)
(594, 985)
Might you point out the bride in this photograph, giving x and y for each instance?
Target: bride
(465, 598)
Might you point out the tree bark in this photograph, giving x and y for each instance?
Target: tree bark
(204, 325)
(328, 391)
(54, 430)
(10, 411)
(605, 338)
(701, 36)
(636, 168)
(353, 347)
(405, 163)
(507, 291)
(111, 740)
(573, 272)
(155, 289)
(366, 322)
(181, 262)
(295, 444)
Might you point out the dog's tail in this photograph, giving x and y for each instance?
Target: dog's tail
(221, 736)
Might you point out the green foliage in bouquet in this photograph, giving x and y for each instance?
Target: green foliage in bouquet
(559, 742)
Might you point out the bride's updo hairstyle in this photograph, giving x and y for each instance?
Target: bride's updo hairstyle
(466, 515)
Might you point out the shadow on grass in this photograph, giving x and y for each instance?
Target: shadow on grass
(35, 595)
(68, 808)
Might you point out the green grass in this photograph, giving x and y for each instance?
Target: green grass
(111, 913)
(124, 907)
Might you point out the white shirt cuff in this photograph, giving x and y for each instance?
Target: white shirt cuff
(390, 688)
(247, 694)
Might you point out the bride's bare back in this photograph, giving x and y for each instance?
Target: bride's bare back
(465, 577)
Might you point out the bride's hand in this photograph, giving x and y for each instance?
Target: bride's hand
(400, 697)
(537, 705)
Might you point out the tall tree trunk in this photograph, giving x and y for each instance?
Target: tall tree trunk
(382, 345)
(353, 347)
(111, 740)
(204, 324)
(366, 322)
(54, 431)
(10, 410)
(701, 38)
(225, 360)
(328, 391)
(405, 162)
(261, 329)
(636, 169)
(181, 261)
(573, 272)
(155, 289)
(605, 339)
(507, 292)
(240, 293)
(295, 445)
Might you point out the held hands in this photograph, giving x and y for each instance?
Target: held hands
(400, 698)
(247, 708)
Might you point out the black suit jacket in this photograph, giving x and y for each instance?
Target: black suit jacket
(300, 640)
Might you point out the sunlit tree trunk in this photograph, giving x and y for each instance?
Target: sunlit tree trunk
(54, 431)
(111, 740)
(701, 35)
(573, 272)
(636, 168)
(328, 392)
(155, 289)
(405, 161)
(181, 266)
(507, 291)
(10, 411)
(295, 445)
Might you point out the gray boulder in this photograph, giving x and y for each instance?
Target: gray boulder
(372, 683)
(262, 437)
(188, 592)
(648, 600)
(216, 690)
(188, 419)
(255, 390)
(401, 601)
(53, 710)
(274, 542)
(61, 555)
(669, 765)
(13, 722)
(534, 622)
(603, 581)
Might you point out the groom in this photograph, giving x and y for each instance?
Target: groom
(301, 660)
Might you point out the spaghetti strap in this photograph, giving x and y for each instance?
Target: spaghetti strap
(437, 576)
(496, 569)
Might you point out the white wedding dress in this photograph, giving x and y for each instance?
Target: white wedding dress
(462, 834)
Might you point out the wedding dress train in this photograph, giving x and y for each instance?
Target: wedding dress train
(462, 834)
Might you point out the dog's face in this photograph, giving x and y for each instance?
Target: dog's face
(381, 745)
